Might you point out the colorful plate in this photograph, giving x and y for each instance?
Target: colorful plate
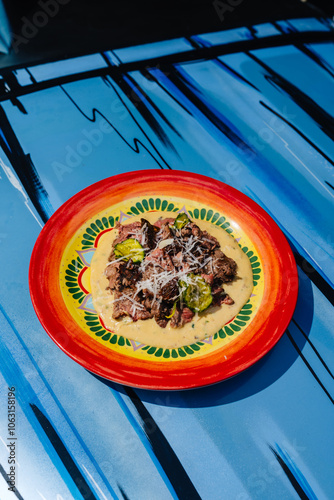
(59, 279)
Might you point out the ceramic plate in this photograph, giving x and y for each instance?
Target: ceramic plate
(59, 279)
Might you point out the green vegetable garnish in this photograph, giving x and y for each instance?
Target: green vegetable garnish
(181, 221)
(196, 293)
(130, 249)
(173, 311)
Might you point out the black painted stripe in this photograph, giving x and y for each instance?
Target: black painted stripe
(315, 277)
(125, 82)
(324, 120)
(315, 350)
(203, 53)
(296, 129)
(197, 44)
(309, 366)
(168, 459)
(189, 91)
(289, 474)
(64, 455)
(24, 168)
(6, 478)
(224, 65)
(308, 52)
(307, 268)
(329, 184)
(124, 495)
(136, 142)
(147, 74)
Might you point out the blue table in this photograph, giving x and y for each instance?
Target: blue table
(252, 107)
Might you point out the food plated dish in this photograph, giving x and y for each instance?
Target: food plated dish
(169, 282)
(67, 292)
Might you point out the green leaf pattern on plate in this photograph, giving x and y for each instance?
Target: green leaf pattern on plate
(92, 231)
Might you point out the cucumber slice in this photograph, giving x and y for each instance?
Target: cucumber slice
(130, 249)
(181, 221)
(196, 293)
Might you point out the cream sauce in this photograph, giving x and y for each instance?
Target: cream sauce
(203, 324)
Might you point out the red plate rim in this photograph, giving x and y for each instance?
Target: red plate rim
(281, 290)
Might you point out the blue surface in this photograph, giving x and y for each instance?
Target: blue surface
(5, 30)
(152, 50)
(260, 120)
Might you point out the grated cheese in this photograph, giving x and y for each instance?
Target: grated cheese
(161, 277)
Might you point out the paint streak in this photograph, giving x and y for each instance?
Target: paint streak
(292, 472)
(329, 184)
(16, 184)
(10, 83)
(307, 268)
(124, 495)
(12, 371)
(315, 350)
(324, 120)
(317, 59)
(309, 141)
(309, 366)
(6, 478)
(168, 459)
(64, 455)
(103, 497)
(135, 148)
(151, 77)
(143, 103)
(234, 73)
(24, 169)
(188, 88)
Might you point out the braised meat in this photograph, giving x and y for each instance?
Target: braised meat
(168, 271)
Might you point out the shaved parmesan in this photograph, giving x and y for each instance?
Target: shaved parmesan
(165, 243)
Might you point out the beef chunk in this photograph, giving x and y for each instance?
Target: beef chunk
(147, 301)
(151, 270)
(187, 315)
(227, 300)
(122, 274)
(175, 321)
(160, 310)
(224, 268)
(127, 231)
(165, 232)
(170, 291)
(113, 275)
(181, 316)
(123, 303)
(216, 291)
(178, 259)
(195, 230)
(208, 241)
(142, 231)
(161, 258)
(208, 278)
(126, 303)
(142, 314)
(149, 232)
(186, 231)
(220, 296)
(121, 308)
(223, 298)
(167, 220)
